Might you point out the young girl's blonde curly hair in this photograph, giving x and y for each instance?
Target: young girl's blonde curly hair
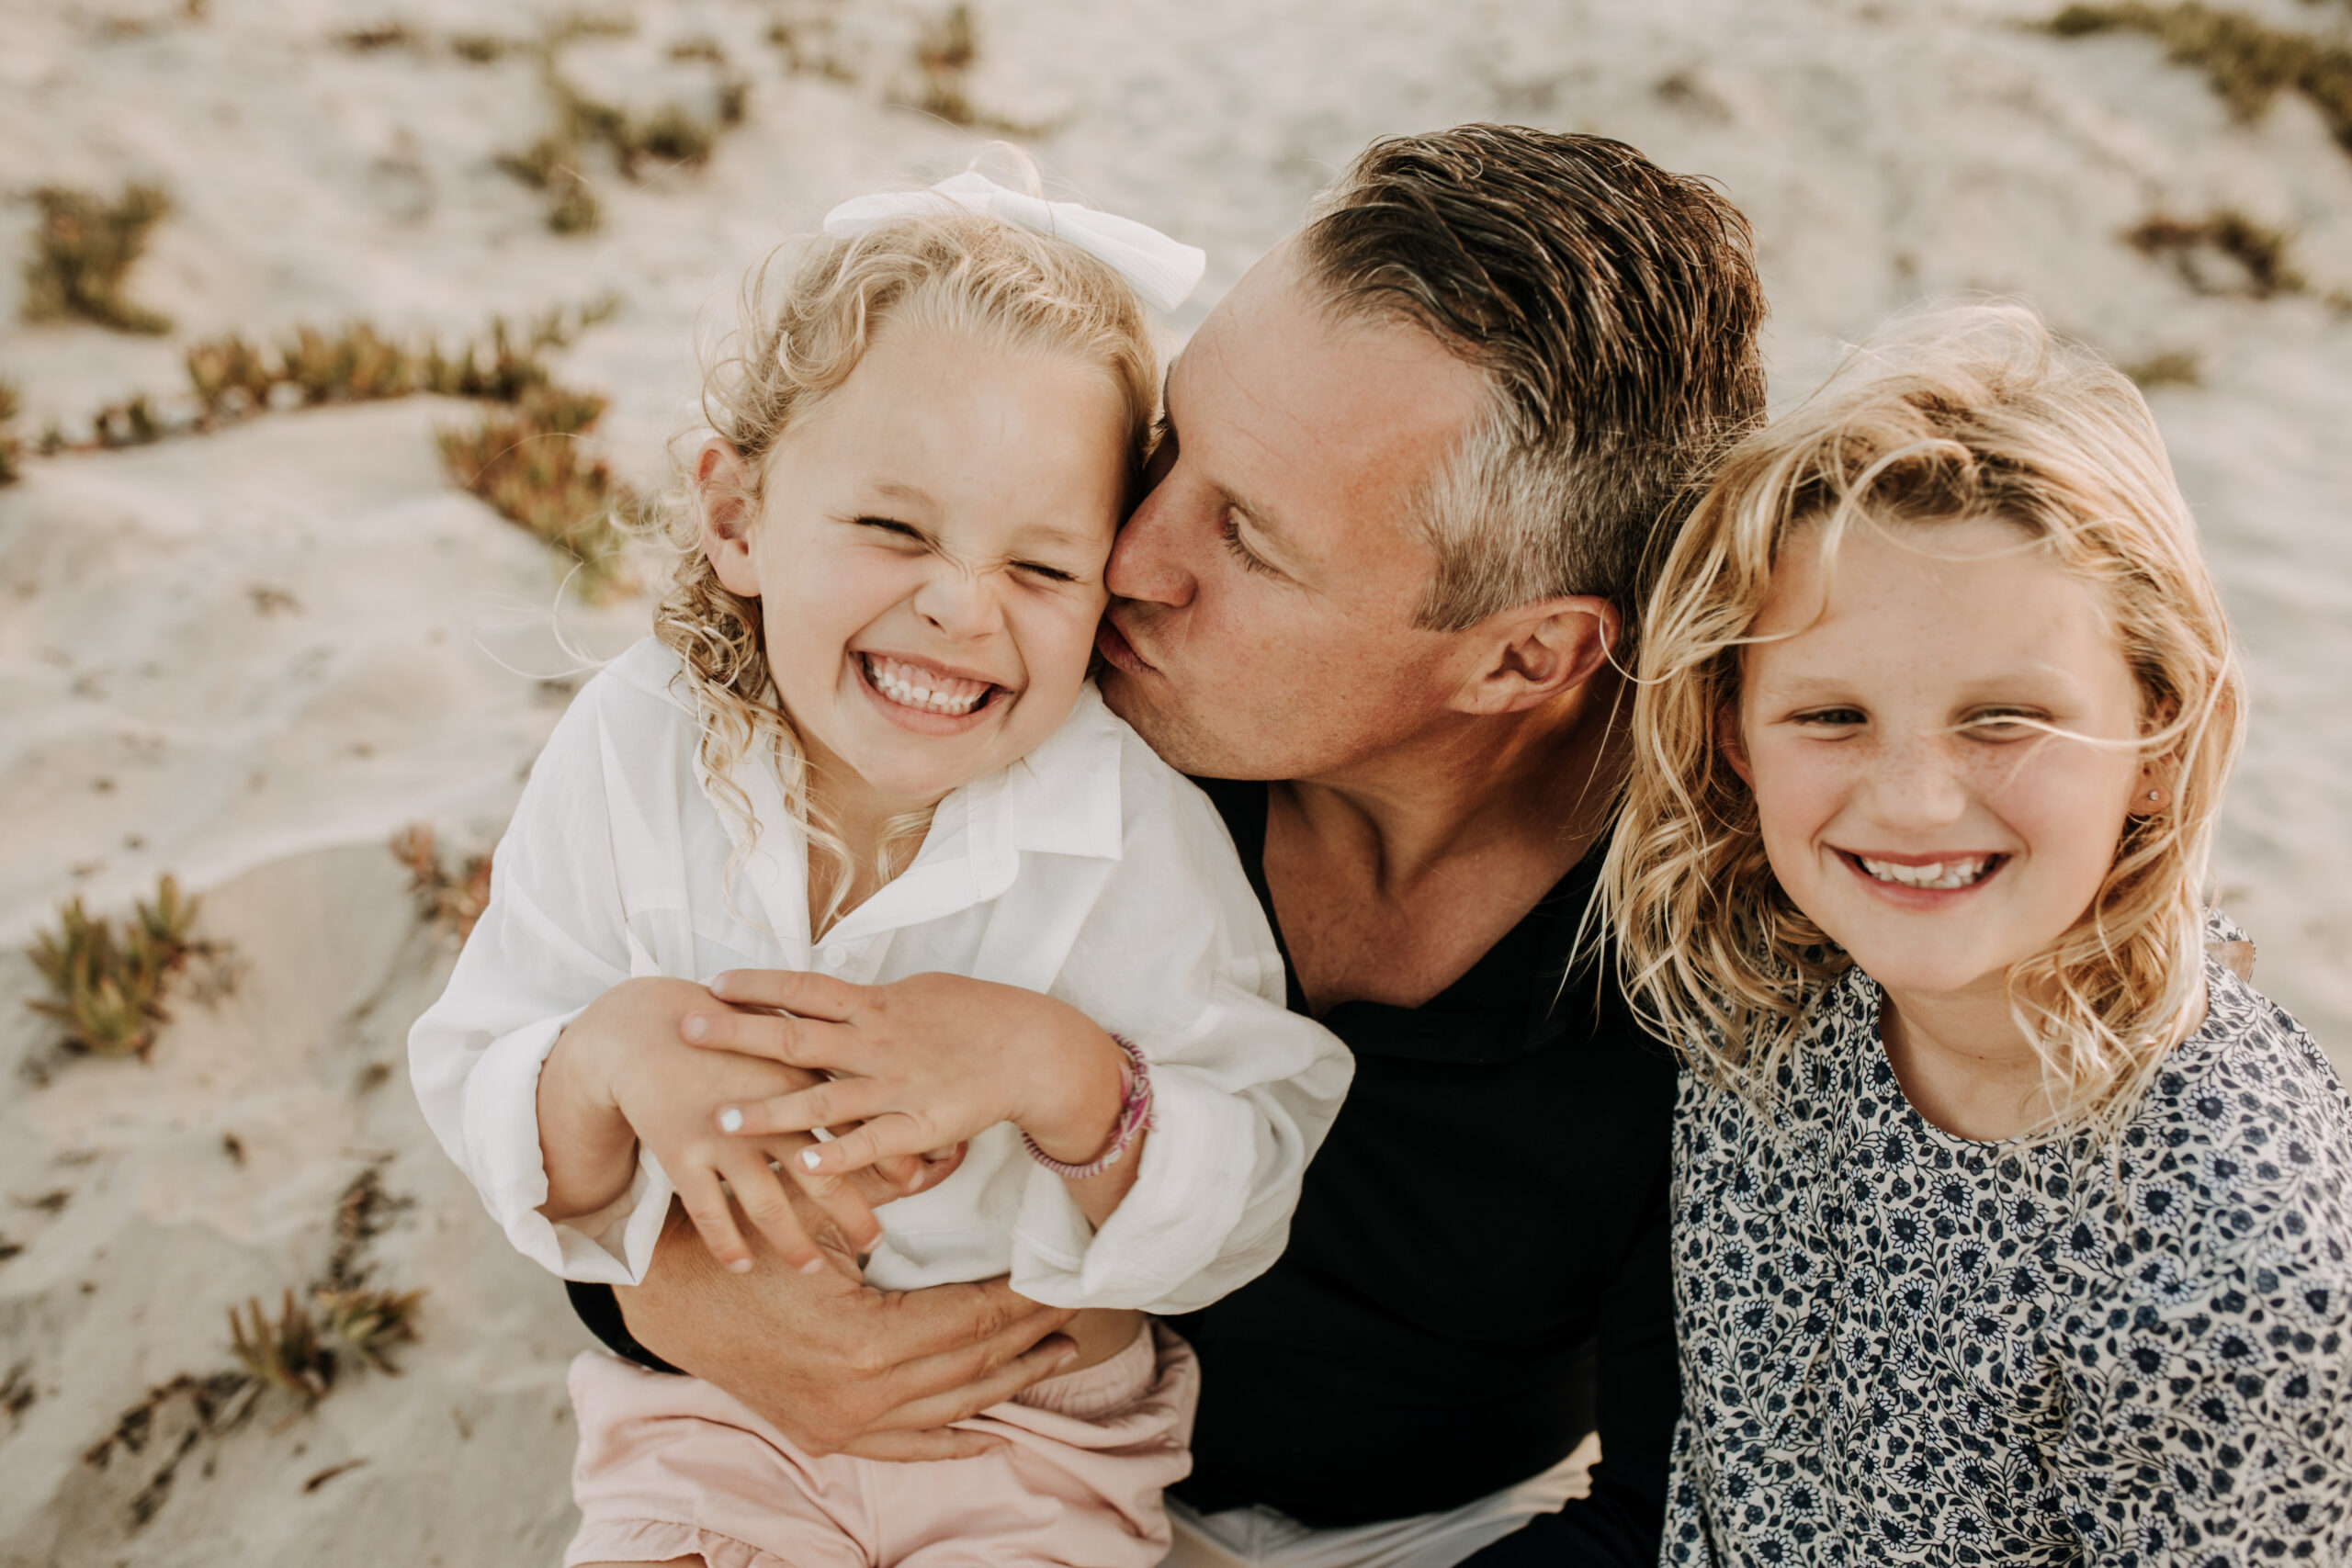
(951, 271)
(1960, 414)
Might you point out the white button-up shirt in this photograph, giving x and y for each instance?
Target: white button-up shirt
(1089, 870)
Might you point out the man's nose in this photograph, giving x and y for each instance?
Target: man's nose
(1144, 563)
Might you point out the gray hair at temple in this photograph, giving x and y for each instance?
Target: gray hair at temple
(1614, 309)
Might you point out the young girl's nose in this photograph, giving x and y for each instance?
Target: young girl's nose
(960, 602)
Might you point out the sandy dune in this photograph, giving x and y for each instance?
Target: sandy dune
(249, 656)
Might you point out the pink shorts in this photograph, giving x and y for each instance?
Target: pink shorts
(670, 1466)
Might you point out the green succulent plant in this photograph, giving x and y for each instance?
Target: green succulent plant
(108, 988)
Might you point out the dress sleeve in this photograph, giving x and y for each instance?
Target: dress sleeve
(552, 939)
(2208, 1420)
(1177, 956)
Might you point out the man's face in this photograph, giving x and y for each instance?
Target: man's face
(1262, 623)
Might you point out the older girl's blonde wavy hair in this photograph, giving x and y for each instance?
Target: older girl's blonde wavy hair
(951, 270)
(1962, 413)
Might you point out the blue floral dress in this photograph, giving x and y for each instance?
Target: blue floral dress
(1900, 1346)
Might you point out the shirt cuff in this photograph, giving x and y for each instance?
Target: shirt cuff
(613, 1245)
(1172, 1224)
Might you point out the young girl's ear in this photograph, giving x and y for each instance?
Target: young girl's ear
(726, 506)
(1729, 741)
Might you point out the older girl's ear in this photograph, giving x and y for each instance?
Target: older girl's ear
(726, 506)
(1731, 744)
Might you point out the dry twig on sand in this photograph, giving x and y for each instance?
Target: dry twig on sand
(82, 247)
(2248, 62)
(2226, 253)
(12, 451)
(451, 899)
(108, 989)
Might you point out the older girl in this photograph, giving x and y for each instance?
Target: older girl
(863, 747)
(2009, 1227)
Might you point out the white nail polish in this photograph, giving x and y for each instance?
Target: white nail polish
(741, 1266)
(731, 1120)
(807, 1159)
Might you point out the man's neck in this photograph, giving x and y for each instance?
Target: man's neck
(1463, 790)
(1391, 877)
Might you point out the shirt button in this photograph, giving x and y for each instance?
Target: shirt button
(834, 958)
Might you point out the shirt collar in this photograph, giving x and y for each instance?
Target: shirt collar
(1062, 799)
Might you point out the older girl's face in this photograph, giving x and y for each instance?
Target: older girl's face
(928, 560)
(1895, 727)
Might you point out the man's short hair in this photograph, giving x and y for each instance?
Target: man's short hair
(1614, 308)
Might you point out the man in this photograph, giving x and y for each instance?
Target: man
(1414, 464)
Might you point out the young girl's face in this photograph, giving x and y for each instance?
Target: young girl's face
(929, 559)
(1907, 806)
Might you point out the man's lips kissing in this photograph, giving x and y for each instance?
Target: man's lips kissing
(1112, 644)
(927, 697)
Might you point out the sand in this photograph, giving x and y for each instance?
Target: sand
(249, 656)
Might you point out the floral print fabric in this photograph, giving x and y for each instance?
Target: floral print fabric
(1902, 1346)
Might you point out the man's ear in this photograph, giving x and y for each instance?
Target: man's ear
(726, 507)
(1731, 744)
(1533, 653)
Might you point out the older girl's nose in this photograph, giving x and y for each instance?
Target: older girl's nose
(1920, 782)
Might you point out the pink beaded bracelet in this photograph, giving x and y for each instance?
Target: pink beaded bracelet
(1134, 1118)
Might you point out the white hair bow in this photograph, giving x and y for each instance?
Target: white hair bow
(1160, 269)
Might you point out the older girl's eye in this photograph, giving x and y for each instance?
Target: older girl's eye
(1998, 725)
(1830, 719)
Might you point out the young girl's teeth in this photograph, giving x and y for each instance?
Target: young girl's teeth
(1937, 874)
(914, 688)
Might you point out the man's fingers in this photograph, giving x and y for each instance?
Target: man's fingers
(944, 1319)
(912, 1447)
(793, 990)
(1049, 1357)
(840, 1198)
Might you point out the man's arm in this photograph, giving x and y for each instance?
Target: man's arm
(837, 1366)
(1636, 1400)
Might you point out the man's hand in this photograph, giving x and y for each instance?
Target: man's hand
(838, 1367)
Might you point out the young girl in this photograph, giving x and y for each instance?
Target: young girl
(2009, 1228)
(863, 744)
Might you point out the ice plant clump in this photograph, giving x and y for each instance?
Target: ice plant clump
(82, 247)
(108, 988)
(529, 462)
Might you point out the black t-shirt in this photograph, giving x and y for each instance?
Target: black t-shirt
(1478, 1274)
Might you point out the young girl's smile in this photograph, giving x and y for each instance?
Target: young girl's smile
(1897, 736)
(928, 559)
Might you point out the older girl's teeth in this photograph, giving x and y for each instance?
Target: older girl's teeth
(1941, 875)
(910, 687)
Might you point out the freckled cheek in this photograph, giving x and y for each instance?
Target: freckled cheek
(1799, 791)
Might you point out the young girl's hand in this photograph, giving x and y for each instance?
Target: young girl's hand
(621, 1069)
(920, 1064)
